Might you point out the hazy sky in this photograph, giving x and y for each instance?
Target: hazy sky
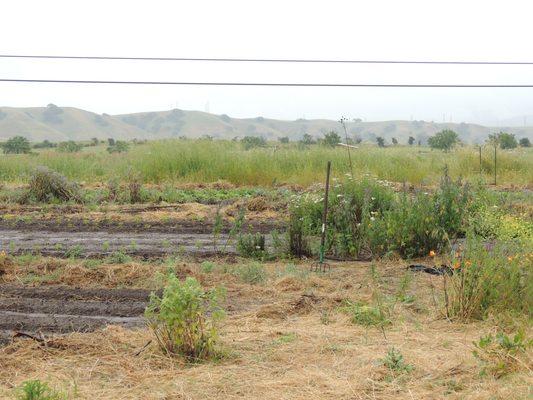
(377, 29)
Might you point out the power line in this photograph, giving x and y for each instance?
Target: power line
(287, 84)
(266, 60)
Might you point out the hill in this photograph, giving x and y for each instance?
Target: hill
(66, 123)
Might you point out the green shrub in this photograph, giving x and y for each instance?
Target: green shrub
(207, 267)
(502, 354)
(118, 257)
(37, 390)
(252, 245)
(69, 147)
(184, 319)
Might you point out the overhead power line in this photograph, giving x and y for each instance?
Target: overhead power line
(266, 60)
(287, 84)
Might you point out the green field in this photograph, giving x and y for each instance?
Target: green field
(203, 161)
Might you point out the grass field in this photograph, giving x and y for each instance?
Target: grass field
(201, 161)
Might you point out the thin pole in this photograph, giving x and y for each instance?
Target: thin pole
(325, 215)
(495, 163)
(480, 167)
(343, 122)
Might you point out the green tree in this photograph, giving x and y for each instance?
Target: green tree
(307, 139)
(444, 140)
(524, 142)
(380, 141)
(411, 140)
(394, 141)
(331, 139)
(17, 145)
(284, 139)
(504, 140)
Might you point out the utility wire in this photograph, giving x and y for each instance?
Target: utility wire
(266, 60)
(287, 84)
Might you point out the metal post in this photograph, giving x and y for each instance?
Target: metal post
(480, 166)
(321, 265)
(343, 122)
(495, 164)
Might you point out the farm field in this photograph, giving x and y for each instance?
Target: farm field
(427, 291)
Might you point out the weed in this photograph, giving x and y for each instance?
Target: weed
(395, 362)
(118, 257)
(74, 252)
(253, 274)
(502, 354)
(207, 267)
(366, 315)
(38, 390)
(184, 320)
(252, 246)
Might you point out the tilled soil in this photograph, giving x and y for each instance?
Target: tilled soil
(59, 309)
(103, 243)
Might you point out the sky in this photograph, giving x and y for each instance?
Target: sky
(383, 30)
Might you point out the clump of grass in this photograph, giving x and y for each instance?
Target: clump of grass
(207, 267)
(38, 390)
(395, 362)
(253, 273)
(502, 354)
(47, 186)
(134, 187)
(366, 315)
(184, 319)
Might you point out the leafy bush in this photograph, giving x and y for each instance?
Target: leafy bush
(118, 146)
(37, 390)
(252, 245)
(184, 319)
(444, 140)
(502, 354)
(489, 278)
(46, 186)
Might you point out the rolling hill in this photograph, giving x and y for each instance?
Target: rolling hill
(66, 123)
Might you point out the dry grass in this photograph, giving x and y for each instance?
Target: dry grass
(279, 345)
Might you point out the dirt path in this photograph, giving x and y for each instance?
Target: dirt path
(103, 243)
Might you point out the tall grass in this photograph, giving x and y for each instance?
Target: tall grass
(208, 161)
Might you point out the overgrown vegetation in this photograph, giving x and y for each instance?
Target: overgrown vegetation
(48, 186)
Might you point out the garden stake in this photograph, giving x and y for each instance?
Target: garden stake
(495, 148)
(321, 265)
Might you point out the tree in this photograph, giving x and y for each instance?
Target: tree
(94, 141)
(111, 141)
(45, 144)
(381, 141)
(69, 147)
(284, 139)
(331, 139)
(17, 145)
(444, 140)
(120, 146)
(249, 142)
(307, 139)
(411, 140)
(394, 141)
(504, 140)
(524, 142)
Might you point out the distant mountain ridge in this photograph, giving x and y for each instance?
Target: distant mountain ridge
(67, 123)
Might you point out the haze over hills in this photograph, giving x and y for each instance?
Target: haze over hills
(66, 123)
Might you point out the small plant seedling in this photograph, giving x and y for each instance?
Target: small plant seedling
(38, 390)
(395, 362)
(253, 274)
(207, 267)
